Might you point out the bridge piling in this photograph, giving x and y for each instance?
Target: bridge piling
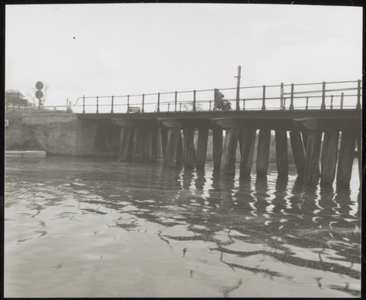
(346, 156)
(217, 139)
(329, 157)
(188, 148)
(247, 141)
(311, 171)
(228, 156)
(281, 152)
(201, 148)
(163, 138)
(264, 140)
(173, 142)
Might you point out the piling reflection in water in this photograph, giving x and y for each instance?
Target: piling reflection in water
(141, 230)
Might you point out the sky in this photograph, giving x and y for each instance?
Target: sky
(120, 49)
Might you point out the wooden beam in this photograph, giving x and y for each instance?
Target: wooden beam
(201, 148)
(228, 157)
(329, 157)
(123, 146)
(217, 147)
(188, 148)
(298, 152)
(281, 152)
(172, 146)
(264, 140)
(247, 141)
(346, 157)
(311, 172)
(164, 137)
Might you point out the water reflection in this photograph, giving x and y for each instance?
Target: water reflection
(177, 229)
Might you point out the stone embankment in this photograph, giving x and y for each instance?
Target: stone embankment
(59, 133)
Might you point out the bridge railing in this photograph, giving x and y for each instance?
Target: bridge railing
(323, 95)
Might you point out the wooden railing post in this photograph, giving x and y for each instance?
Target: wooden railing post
(175, 100)
(84, 104)
(112, 104)
(307, 103)
(128, 103)
(158, 109)
(358, 105)
(194, 101)
(97, 105)
(264, 98)
(292, 97)
(143, 103)
(342, 95)
(243, 104)
(282, 106)
(331, 102)
(323, 96)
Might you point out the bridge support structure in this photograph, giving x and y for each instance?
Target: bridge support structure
(315, 145)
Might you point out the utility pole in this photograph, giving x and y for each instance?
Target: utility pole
(238, 89)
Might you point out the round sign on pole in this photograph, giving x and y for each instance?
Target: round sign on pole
(39, 85)
(39, 94)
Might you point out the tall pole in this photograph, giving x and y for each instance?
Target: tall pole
(238, 89)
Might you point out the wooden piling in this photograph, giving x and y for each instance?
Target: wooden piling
(311, 171)
(281, 152)
(188, 148)
(164, 137)
(247, 141)
(138, 137)
(329, 157)
(228, 156)
(346, 156)
(124, 140)
(264, 140)
(149, 145)
(173, 140)
(201, 148)
(217, 147)
(359, 155)
(298, 152)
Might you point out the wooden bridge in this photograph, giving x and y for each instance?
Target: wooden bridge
(316, 116)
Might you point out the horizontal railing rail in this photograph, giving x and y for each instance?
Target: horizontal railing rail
(329, 95)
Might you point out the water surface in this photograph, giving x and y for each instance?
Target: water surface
(80, 227)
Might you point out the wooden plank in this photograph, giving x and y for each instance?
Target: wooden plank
(264, 140)
(247, 141)
(346, 157)
(188, 148)
(201, 148)
(298, 152)
(217, 147)
(229, 150)
(329, 157)
(281, 152)
(311, 171)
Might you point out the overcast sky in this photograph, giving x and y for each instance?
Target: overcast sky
(119, 49)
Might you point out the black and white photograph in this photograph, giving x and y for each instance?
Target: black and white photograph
(182, 150)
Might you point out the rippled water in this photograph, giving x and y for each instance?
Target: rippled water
(78, 227)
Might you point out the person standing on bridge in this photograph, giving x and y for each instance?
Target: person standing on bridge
(218, 100)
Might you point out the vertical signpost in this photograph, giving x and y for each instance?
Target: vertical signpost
(39, 93)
